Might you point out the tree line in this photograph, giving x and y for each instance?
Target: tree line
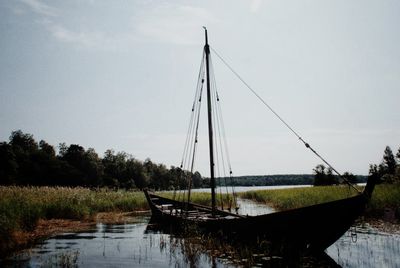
(269, 180)
(388, 171)
(24, 161)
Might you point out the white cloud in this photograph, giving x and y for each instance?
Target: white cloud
(40, 8)
(91, 39)
(82, 38)
(167, 23)
(50, 18)
(255, 5)
(173, 24)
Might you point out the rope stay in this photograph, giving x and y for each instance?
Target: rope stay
(221, 145)
(190, 147)
(220, 150)
(308, 146)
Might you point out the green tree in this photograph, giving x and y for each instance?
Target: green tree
(349, 177)
(93, 167)
(47, 148)
(397, 171)
(319, 175)
(23, 142)
(138, 173)
(62, 149)
(116, 172)
(24, 147)
(24, 161)
(177, 176)
(389, 161)
(322, 177)
(88, 168)
(376, 172)
(8, 164)
(197, 180)
(149, 167)
(330, 178)
(47, 165)
(388, 171)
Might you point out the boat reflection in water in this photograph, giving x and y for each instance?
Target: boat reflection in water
(108, 245)
(140, 243)
(198, 249)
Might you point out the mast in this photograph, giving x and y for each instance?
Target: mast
(210, 127)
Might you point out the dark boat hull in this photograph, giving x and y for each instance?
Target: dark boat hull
(312, 228)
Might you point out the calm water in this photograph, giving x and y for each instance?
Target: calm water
(140, 244)
(249, 188)
(125, 245)
(370, 248)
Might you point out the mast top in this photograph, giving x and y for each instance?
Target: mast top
(205, 30)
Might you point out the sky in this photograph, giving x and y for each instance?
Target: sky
(122, 75)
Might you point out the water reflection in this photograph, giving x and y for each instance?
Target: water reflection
(371, 249)
(249, 207)
(227, 252)
(125, 245)
(140, 243)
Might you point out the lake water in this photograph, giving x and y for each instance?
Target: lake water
(239, 189)
(138, 243)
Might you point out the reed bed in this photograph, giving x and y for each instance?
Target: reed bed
(384, 196)
(22, 207)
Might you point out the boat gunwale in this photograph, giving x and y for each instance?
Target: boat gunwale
(202, 207)
(361, 195)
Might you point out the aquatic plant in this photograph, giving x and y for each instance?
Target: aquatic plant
(22, 207)
(384, 196)
(67, 259)
(282, 199)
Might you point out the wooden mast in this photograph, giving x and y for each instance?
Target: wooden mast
(210, 127)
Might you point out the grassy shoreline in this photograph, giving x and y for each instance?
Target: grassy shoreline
(385, 198)
(23, 210)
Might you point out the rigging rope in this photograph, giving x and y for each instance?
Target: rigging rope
(283, 121)
(218, 156)
(220, 140)
(189, 151)
(222, 131)
(196, 135)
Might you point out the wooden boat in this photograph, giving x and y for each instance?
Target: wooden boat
(312, 228)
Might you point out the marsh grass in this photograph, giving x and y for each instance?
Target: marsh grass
(63, 259)
(384, 196)
(283, 199)
(22, 207)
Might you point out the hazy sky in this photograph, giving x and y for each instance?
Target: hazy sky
(122, 75)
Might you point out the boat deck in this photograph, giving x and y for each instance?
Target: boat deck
(189, 211)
